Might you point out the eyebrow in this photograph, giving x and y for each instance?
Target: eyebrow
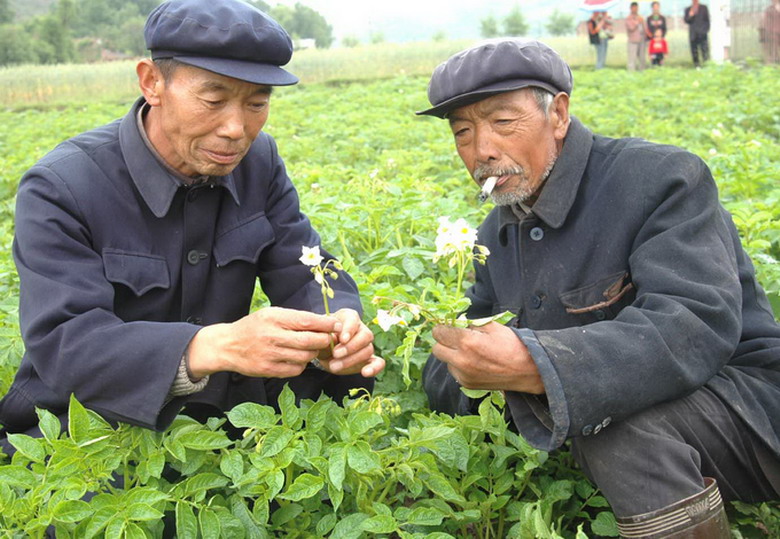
(217, 86)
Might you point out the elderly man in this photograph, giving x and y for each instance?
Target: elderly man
(641, 333)
(697, 17)
(138, 245)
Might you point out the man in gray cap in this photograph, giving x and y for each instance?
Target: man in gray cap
(640, 333)
(138, 245)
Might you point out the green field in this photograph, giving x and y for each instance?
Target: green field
(373, 178)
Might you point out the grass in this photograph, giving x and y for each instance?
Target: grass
(32, 86)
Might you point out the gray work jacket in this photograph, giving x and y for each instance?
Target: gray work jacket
(631, 288)
(120, 265)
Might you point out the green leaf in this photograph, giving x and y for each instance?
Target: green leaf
(30, 447)
(71, 511)
(78, 421)
(285, 514)
(337, 464)
(598, 501)
(17, 476)
(242, 513)
(252, 415)
(142, 511)
(336, 495)
(326, 524)
(201, 482)
(232, 465)
(442, 487)
(134, 531)
(379, 524)
(413, 267)
(49, 424)
(290, 412)
(305, 486)
(144, 495)
(99, 520)
(317, 414)
(363, 421)
(349, 527)
(275, 440)
(425, 516)
(361, 458)
(275, 481)
(205, 440)
(186, 523)
(604, 525)
(209, 523)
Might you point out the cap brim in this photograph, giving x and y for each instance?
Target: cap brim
(445, 107)
(256, 73)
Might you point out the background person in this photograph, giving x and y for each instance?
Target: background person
(697, 17)
(636, 33)
(656, 21)
(138, 245)
(657, 48)
(599, 33)
(769, 32)
(641, 333)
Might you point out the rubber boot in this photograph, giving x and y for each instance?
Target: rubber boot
(700, 516)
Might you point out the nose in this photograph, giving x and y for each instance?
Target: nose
(233, 123)
(485, 147)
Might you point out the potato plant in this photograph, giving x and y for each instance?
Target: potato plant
(374, 179)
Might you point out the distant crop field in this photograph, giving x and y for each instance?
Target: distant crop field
(374, 179)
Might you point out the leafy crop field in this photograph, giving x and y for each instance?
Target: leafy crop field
(374, 179)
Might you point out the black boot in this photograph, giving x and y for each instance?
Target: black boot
(700, 516)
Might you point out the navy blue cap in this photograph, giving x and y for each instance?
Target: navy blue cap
(228, 37)
(494, 67)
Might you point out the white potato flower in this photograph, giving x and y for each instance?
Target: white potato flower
(385, 320)
(311, 256)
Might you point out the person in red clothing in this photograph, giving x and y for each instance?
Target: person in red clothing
(657, 47)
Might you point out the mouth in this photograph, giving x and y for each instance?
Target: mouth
(223, 158)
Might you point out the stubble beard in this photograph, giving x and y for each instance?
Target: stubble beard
(524, 190)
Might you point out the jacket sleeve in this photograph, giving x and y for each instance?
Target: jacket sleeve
(678, 333)
(73, 338)
(286, 281)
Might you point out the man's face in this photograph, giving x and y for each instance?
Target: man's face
(203, 123)
(634, 9)
(508, 136)
(656, 8)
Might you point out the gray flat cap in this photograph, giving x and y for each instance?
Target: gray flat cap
(492, 68)
(228, 37)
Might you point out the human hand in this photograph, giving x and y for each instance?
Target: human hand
(354, 350)
(487, 357)
(272, 342)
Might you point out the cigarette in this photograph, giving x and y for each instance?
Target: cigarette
(487, 188)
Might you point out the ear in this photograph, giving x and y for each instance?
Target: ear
(150, 80)
(559, 115)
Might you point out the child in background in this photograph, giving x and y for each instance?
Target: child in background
(657, 48)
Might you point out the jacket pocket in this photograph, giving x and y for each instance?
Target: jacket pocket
(601, 300)
(139, 272)
(245, 241)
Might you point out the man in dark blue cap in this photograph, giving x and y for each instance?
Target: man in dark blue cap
(641, 333)
(138, 245)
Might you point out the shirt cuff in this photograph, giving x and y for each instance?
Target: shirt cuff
(183, 383)
(543, 424)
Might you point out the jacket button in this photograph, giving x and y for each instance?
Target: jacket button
(587, 430)
(597, 428)
(537, 233)
(606, 422)
(600, 314)
(193, 257)
(536, 301)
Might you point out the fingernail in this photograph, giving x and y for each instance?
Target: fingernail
(346, 337)
(338, 327)
(336, 365)
(339, 352)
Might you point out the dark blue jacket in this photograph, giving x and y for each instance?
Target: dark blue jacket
(631, 288)
(120, 265)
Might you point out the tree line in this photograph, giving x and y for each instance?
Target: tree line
(90, 30)
(514, 24)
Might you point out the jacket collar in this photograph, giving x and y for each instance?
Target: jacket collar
(560, 189)
(155, 183)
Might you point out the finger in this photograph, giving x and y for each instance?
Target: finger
(353, 362)
(351, 324)
(363, 337)
(448, 336)
(303, 320)
(300, 340)
(375, 365)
